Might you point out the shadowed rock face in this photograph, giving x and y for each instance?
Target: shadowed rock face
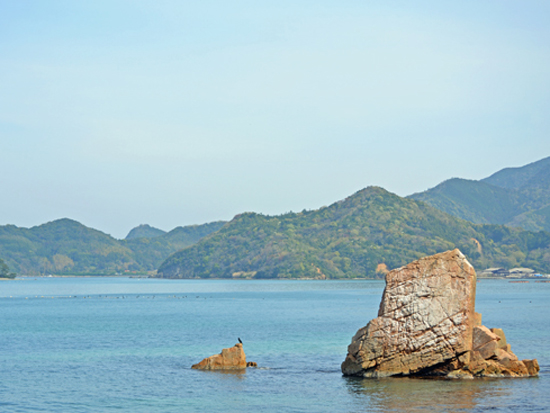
(427, 326)
(229, 359)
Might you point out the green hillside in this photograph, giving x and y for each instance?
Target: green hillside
(518, 197)
(5, 270)
(191, 234)
(474, 201)
(144, 231)
(68, 247)
(537, 220)
(60, 246)
(149, 253)
(357, 237)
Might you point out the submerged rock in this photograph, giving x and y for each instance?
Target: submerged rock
(229, 359)
(427, 326)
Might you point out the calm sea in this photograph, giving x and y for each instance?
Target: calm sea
(127, 345)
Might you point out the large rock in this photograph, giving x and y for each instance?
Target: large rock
(427, 326)
(229, 359)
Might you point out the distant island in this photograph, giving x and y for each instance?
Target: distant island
(363, 236)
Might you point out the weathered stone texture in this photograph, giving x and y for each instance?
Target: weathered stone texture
(502, 342)
(427, 325)
(425, 318)
(532, 366)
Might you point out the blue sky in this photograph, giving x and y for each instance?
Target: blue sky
(117, 113)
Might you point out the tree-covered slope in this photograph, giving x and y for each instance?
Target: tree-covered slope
(357, 237)
(144, 231)
(191, 234)
(525, 176)
(5, 270)
(518, 197)
(474, 201)
(67, 247)
(60, 246)
(149, 253)
(536, 220)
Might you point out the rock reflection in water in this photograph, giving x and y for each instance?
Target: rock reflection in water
(420, 395)
(237, 374)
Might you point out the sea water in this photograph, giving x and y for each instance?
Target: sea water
(127, 345)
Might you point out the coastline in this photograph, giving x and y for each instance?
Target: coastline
(244, 279)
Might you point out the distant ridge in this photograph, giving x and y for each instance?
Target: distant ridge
(151, 252)
(363, 235)
(518, 197)
(144, 231)
(529, 175)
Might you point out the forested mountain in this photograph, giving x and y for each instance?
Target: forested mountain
(67, 247)
(518, 197)
(360, 236)
(144, 231)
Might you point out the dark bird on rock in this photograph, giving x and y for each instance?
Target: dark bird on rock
(238, 338)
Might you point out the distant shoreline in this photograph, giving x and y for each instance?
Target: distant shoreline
(212, 278)
(242, 279)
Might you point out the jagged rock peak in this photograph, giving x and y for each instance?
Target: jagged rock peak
(427, 326)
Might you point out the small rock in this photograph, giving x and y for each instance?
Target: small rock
(532, 366)
(229, 359)
(251, 364)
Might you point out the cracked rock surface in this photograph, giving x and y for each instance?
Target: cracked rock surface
(427, 326)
